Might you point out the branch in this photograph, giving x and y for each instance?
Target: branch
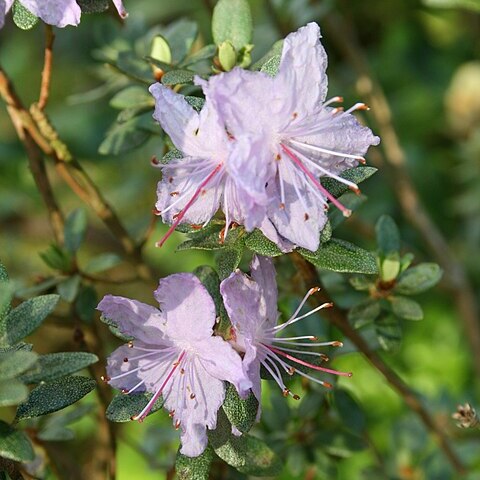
(47, 68)
(344, 37)
(339, 319)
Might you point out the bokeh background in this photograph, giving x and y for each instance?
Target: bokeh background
(425, 57)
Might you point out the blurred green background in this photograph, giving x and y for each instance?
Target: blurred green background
(426, 59)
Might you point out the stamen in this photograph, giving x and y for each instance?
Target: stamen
(184, 210)
(325, 150)
(346, 212)
(311, 312)
(141, 416)
(306, 364)
(333, 100)
(358, 106)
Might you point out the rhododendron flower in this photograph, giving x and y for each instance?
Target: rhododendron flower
(251, 303)
(174, 355)
(195, 186)
(295, 132)
(54, 12)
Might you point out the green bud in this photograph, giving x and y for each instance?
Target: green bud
(390, 267)
(161, 50)
(227, 55)
(244, 57)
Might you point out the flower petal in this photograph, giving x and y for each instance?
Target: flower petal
(302, 70)
(55, 12)
(133, 318)
(221, 361)
(3, 11)
(179, 184)
(263, 272)
(300, 221)
(120, 8)
(187, 307)
(269, 230)
(179, 120)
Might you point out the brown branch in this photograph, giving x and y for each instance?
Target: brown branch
(339, 319)
(343, 35)
(47, 67)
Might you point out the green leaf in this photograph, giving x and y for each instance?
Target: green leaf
(340, 256)
(53, 396)
(132, 96)
(349, 200)
(473, 5)
(134, 67)
(250, 455)
(196, 102)
(389, 333)
(6, 294)
(102, 262)
(406, 308)
(275, 51)
(86, 302)
(3, 273)
(259, 243)
(205, 53)
(228, 260)
(12, 392)
(15, 444)
(361, 283)
(123, 407)
(207, 238)
(175, 77)
(418, 279)
(232, 21)
(364, 313)
(58, 434)
(161, 50)
(271, 66)
(75, 229)
(180, 35)
(56, 365)
(350, 411)
(68, 289)
(15, 363)
(388, 236)
(22, 17)
(194, 468)
(57, 258)
(25, 318)
(356, 175)
(93, 6)
(123, 137)
(240, 412)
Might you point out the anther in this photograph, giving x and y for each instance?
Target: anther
(174, 194)
(171, 413)
(296, 397)
(291, 371)
(170, 179)
(176, 364)
(327, 385)
(324, 357)
(177, 424)
(154, 160)
(313, 338)
(156, 211)
(130, 344)
(314, 290)
(174, 217)
(125, 359)
(347, 213)
(354, 189)
(182, 371)
(192, 396)
(278, 157)
(282, 206)
(286, 392)
(105, 378)
(124, 391)
(337, 344)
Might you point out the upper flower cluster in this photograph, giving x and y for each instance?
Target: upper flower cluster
(259, 146)
(175, 353)
(59, 13)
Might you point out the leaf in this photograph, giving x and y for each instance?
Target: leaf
(25, 318)
(194, 468)
(86, 303)
(196, 102)
(364, 313)
(123, 137)
(132, 96)
(93, 6)
(3, 273)
(473, 5)
(389, 333)
(418, 279)
(6, 294)
(275, 51)
(102, 262)
(75, 229)
(53, 396)
(207, 238)
(349, 200)
(271, 66)
(205, 53)
(14, 363)
(388, 236)
(259, 243)
(232, 21)
(175, 77)
(57, 258)
(58, 434)
(68, 289)
(406, 308)
(134, 67)
(22, 17)
(15, 444)
(340, 256)
(240, 412)
(356, 175)
(56, 365)
(123, 407)
(350, 412)
(227, 261)
(161, 50)
(180, 35)
(250, 455)
(12, 392)
(361, 283)
(389, 266)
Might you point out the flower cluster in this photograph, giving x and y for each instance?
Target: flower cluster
(259, 146)
(176, 354)
(59, 13)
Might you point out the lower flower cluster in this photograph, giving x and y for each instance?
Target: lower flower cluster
(175, 353)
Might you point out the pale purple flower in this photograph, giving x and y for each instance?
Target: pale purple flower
(59, 13)
(251, 303)
(195, 186)
(293, 130)
(174, 355)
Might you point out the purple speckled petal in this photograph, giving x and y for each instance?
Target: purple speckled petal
(55, 12)
(187, 307)
(133, 318)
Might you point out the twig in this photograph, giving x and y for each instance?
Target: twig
(338, 318)
(343, 35)
(47, 67)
